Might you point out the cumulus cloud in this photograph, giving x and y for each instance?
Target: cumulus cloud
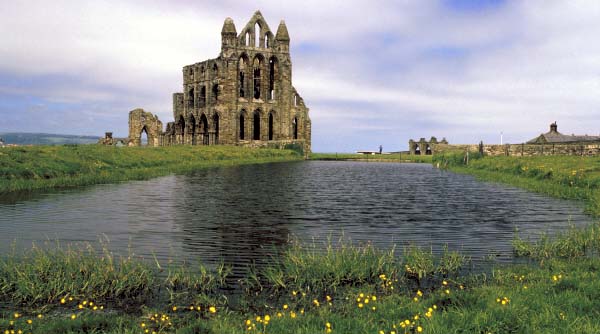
(371, 73)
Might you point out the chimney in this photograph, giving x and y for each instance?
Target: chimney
(553, 127)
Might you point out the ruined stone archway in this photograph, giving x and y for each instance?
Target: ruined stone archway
(139, 121)
(203, 124)
(144, 137)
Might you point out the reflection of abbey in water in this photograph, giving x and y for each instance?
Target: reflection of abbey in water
(243, 97)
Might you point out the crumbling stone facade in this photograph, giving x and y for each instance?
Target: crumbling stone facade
(243, 97)
(423, 146)
(141, 121)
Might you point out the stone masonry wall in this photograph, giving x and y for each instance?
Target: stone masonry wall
(580, 149)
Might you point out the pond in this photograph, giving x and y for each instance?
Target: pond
(239, 215)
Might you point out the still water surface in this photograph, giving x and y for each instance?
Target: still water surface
(238, 214)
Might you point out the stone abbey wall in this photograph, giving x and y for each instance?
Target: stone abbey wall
(243, 97)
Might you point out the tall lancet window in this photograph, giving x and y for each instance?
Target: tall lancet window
(272, 63)
(257, 65)
(256, 35)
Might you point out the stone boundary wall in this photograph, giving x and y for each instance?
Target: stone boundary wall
(526, 150)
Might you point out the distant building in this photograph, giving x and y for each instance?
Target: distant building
(1, 142)
(423, 146)
(555, 137)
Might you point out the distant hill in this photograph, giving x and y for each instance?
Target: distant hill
(22, 138)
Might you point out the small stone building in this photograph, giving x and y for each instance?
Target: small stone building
(243, 97)
(555, 137)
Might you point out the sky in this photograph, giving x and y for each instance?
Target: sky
(372, 73)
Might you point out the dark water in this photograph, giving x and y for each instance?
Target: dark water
(238, 214)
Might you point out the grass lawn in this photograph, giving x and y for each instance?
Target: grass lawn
(39, 167)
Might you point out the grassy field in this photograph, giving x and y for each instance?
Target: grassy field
(397, 157)
(345, 288)
(567, 177)
(38, 167)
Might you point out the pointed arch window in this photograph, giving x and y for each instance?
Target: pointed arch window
(256, 35)
(215, 91)
(271, 118)
(242, 126)
(204, 129)
(202, 97)
(191, 98)
(272, 69)
(242, 76)
(256, 79)
(256, 125)
(192, 129)
(295, 127)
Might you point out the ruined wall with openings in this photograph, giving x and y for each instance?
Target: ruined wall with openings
(243, 97)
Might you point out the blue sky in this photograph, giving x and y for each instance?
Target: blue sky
(372, 73)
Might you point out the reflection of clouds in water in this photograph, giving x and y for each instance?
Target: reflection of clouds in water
(240, 214)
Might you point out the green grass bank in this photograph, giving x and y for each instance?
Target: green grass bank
(566, 177)
(42, 167)
(338, 288)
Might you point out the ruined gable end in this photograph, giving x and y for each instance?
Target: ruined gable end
(243, 97)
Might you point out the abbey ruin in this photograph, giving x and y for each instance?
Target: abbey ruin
(243, 97)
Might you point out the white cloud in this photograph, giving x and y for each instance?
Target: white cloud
(402, 69)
